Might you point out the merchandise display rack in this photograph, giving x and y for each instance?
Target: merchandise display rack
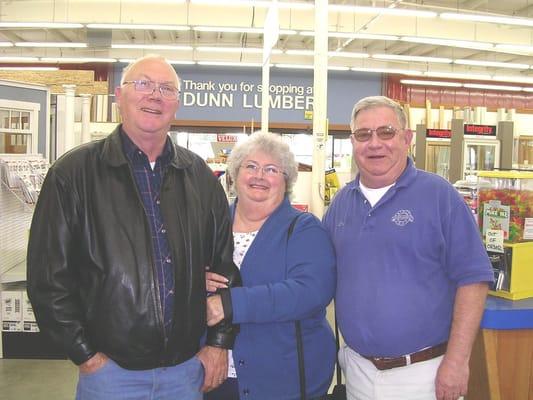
(15, 219)
(18, 193)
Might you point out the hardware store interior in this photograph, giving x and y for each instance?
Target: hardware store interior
(462, 70)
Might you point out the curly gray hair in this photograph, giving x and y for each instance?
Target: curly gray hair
(268, 143)
(378, 101)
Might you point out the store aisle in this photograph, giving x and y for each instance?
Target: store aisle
(37, 379)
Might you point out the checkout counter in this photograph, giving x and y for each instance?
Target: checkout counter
(501, 365)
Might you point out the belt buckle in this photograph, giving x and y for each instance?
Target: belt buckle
(386, 362)
(407, 359)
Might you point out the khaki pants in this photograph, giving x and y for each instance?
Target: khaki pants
(365, 382)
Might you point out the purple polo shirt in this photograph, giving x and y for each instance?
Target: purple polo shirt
(400, 262)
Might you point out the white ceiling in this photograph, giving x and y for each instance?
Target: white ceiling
(192, 14)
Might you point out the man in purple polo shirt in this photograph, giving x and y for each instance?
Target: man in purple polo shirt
(412, 270)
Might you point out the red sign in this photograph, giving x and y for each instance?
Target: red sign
(439, 133)
(226, 138)
(480, 130)
(301, 206)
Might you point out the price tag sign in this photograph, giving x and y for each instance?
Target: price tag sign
(528, 228)
(494, 240)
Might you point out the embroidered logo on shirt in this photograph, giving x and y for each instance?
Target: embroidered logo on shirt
(402, 217)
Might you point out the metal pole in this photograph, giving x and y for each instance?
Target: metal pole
(320, 101)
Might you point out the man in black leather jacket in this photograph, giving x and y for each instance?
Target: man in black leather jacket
(121, 235)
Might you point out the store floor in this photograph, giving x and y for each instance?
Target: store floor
(47, 379)
(37, 379)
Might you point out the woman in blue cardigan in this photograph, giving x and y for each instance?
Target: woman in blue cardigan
(285, 279)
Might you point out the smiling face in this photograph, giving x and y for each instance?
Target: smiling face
(147, 116)
(380, 161)
(259, 188)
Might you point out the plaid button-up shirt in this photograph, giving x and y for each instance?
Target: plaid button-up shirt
(149, 182)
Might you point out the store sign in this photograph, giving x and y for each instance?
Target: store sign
(226, 138)
(439, 133)
(234, 94)
(480, 130)
(245, 94)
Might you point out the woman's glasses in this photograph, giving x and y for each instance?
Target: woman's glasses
(254, 169)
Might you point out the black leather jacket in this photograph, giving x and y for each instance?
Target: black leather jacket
(91, 278)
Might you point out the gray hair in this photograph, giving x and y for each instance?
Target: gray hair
(268, 143)
(378, 101)
(150, 57)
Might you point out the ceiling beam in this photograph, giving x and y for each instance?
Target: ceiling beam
(12, 36)
(473, 4)
(57, 32)
(526, 11)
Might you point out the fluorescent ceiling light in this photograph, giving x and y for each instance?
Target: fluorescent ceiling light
(488, 18)
(448, 42)
(494, 64)
(457, 75)
(181, 62)
(371, 36)
(515, 47)
(227, 29)
(297, 52)
(6, 44)
(176, 62)
(334, 68)
(528, 89)
(51, 25)
(51, 44)
(18, 59)
(388, 71)
(347, 54)
(67, 60)
(255, 3)
(236, 29)
(295, 66)
(400, 12)
(430, 83)
(249, 50)
(29, 68)
(155, 27)
(229, 64)
(348, 35)
(492, 87)
(150, 46)
(514, 79)
(399, 57)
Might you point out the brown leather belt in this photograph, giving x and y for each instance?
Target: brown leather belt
(383, 363)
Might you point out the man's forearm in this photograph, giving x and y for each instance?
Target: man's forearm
(467, 313)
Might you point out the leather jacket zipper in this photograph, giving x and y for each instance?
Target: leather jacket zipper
(151, 259)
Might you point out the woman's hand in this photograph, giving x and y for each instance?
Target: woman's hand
(213, 281)
(215, 311)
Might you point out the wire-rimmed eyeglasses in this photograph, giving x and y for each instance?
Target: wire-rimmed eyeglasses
(385, 132)
(252, 168)
(147, 86)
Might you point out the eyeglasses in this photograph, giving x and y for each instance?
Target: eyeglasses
(146, 86)
(386, 132)
(252, 168)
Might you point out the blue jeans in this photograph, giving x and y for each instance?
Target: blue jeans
(112, 382)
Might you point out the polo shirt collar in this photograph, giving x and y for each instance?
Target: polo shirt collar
(407, 176)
